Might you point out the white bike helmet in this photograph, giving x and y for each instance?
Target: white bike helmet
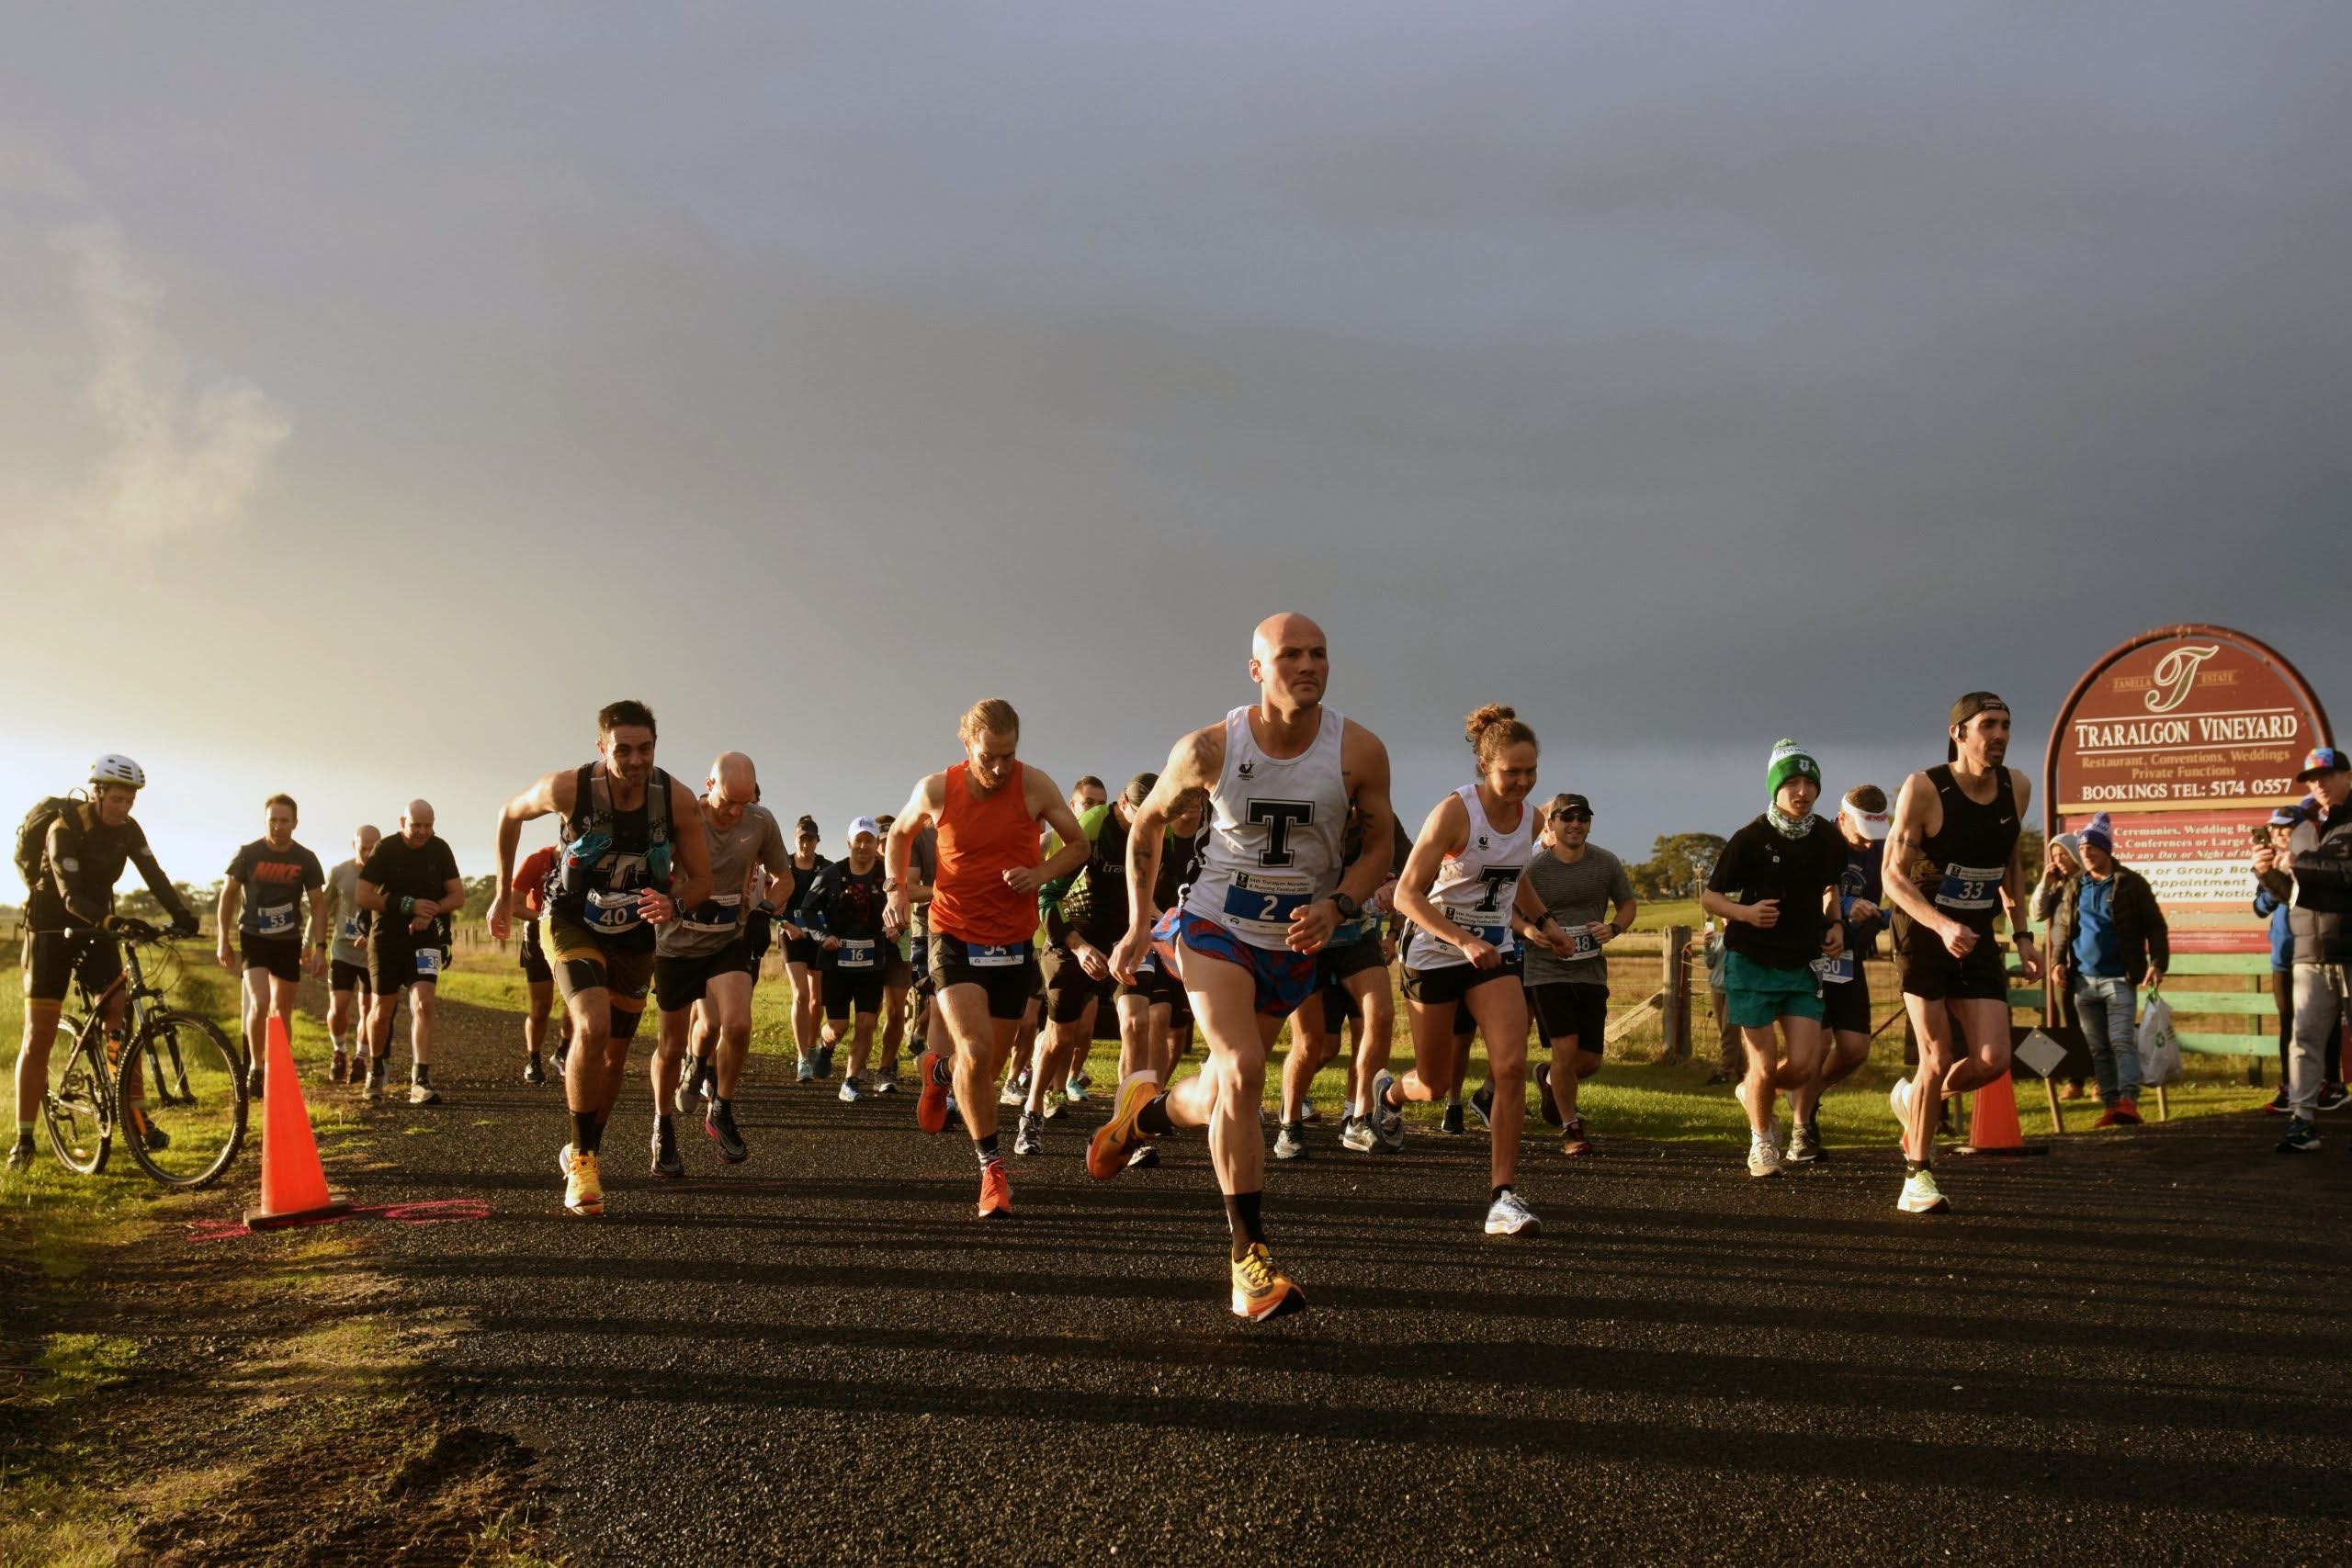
(117, 769)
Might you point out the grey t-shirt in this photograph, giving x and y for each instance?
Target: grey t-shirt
(345, 919)
(755, 842)
(1579, 892)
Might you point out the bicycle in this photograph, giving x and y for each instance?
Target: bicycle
(195, 1126)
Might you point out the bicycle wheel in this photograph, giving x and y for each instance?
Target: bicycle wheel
(181, 1093)
(79, 1107)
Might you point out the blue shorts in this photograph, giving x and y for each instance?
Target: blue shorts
(1285, 979)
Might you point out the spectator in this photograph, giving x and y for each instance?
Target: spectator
(2109, 936)
(2280, 829)
(1731, 1056)
(2059, 868)
(2314, 878)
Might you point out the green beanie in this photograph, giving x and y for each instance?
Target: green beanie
(1789, 761)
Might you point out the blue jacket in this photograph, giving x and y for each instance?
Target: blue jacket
(2282, 940)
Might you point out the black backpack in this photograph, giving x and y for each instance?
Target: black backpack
(32, 836)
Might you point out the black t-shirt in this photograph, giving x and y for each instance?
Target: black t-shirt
(275, 882)
(843, 903)
(1758, 863)
(403, 871)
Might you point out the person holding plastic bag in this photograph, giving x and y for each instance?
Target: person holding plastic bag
(2107, 937)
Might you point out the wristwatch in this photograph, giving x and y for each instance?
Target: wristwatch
(1348, 908)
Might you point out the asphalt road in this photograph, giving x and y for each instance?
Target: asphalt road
(2140, 1346)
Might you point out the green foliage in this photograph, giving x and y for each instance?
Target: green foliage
(1679, 865)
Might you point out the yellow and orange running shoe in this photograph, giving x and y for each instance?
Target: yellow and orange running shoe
(1106, 1151)
(931, 1071)
(996, 1191)
(1262, 1292)
(584, 1187)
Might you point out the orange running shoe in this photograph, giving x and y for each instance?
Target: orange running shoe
(1106, 1151)
(937, 1078)
(996, 1191)
(1262, 1292)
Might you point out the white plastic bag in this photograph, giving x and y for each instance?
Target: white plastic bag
(2159, 1046)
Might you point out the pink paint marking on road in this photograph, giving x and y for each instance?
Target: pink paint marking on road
(430, 1211)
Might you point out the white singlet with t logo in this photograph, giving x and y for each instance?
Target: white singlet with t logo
(1274, 832)
(1475, 887)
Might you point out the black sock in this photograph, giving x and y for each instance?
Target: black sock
(1496, 1196)
(986, 1149)
(587, 1135)
(720, 1105)
(420, 1072)
(1153, 1119)
(1914, 1166)
(1241, 1214)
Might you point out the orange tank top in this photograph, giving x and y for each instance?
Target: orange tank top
(979, 841)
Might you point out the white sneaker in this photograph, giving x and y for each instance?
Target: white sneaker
(851, 1091)
(1921, 1195)
(1763, 1156)
(1899, 1100)
(422, 1094)
(1508, 1216)
(806, 1070)
(1015, 1092)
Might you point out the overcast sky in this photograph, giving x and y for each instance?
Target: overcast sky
(383, 388)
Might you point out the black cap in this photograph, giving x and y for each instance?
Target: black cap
(1566, 803)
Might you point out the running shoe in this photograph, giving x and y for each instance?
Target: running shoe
(1508, 1216)
(1262, 1292)
(851, 1091)
(1031, 1139)
(2332, 1097)
(1921, 1195)
(562, 1057)
(2127, 1113)
(2301, 1138)
(824, 1063)
(1355, 1132)
(1074, 1088)
(1290, 1142)
(682, 1101)
(377, 1072)
(1452, 1125)
(584, 1186)
(1898, 1100)
(1308, 1114)
(563, 1158)
(2278, 1106)
(806, 1071)
(1015, 1092)
(931, 1106)
(424, 1094)
(340, 1068)
(535, 1071)
(255, 1085)
(1763, 1156)
(1551, 1106)
(1388, 1121)
(20, 1155)
(996, 1191)
(665, 1145)
(885, 1080)
(1146, 1157)
(1575, 1144)
(718, 1125)
(1482, 1104)
(1055, 1106)
(1107, 1149)
(1804, 1144)
(152, 1138)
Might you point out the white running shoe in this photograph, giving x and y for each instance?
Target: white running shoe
(1899, 1100)
(1763, 1156)
(1508, 1216)
(1921, 1196)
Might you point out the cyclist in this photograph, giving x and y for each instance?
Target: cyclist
(69, 883)
(261, 894)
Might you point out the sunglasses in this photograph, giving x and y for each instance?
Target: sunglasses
(1572, 817)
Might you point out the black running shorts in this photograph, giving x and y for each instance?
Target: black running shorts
(52, 959)
(281, 955)
(682, 982)
(1928, 970)
(342, 977)
(533, 956)
(1452, 982)
(1566, 1008)
(1008, 972)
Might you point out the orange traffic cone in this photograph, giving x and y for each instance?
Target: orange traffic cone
(1993, 1121)
(293, 1182)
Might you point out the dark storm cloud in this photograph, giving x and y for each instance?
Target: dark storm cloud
(1688, 375)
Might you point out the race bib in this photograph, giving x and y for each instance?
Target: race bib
(1835, 971)
(1581, 944)
(280, 922)
(997, 955)
(353, 927)
(722, 912)
(1267, 899)
(858, 954)
(1970, 888)
(1481, 923)
(604, 911)
(428, 963)
(1150, 964)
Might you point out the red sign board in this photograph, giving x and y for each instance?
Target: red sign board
(2188, 737)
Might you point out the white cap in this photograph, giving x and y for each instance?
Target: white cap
(1872, 825)
(863, 825)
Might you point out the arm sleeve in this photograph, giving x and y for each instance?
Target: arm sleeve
(64, 844)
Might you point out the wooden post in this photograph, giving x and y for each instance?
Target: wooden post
(1674, 1021)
